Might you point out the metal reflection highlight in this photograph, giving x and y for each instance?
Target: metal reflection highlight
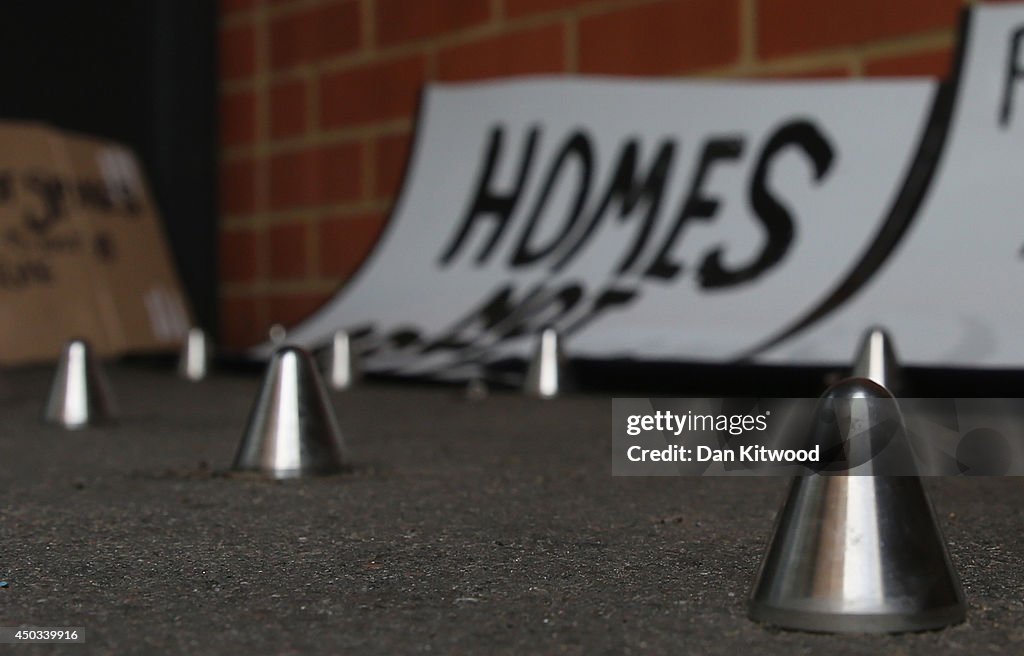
(876, 360)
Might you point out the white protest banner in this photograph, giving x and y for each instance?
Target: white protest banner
(648, 220)
(653, 220)
(948, 292)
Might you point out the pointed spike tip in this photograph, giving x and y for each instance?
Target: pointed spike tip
(876, 360)
(277, 334)
(859, 428)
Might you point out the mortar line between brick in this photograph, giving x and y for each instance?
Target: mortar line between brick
(748, 31)
(572, 45)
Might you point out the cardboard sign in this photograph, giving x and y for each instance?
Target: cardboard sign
(712, 222)
(46, 290)
(147, 311)
(81, 253)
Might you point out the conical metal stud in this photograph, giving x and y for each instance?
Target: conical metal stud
(80, 394)
(476, 390)
(277, 334)
(547, 375)
(341, 366)
(876, 360)
(857, 554)
(194, 361)
(292, 430)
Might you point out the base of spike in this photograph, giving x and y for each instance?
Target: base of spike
(821, 620)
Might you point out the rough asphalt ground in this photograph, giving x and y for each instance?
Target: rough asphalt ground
(488, 527)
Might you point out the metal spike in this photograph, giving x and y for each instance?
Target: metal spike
(876, 360)
(547, 375)
(342, 366)
(80, 394)
(194, 361)
(292, 430)
(476, 390)
(857, 554)
(277, 334)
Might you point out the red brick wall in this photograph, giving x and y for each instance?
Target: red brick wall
(317, 101)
